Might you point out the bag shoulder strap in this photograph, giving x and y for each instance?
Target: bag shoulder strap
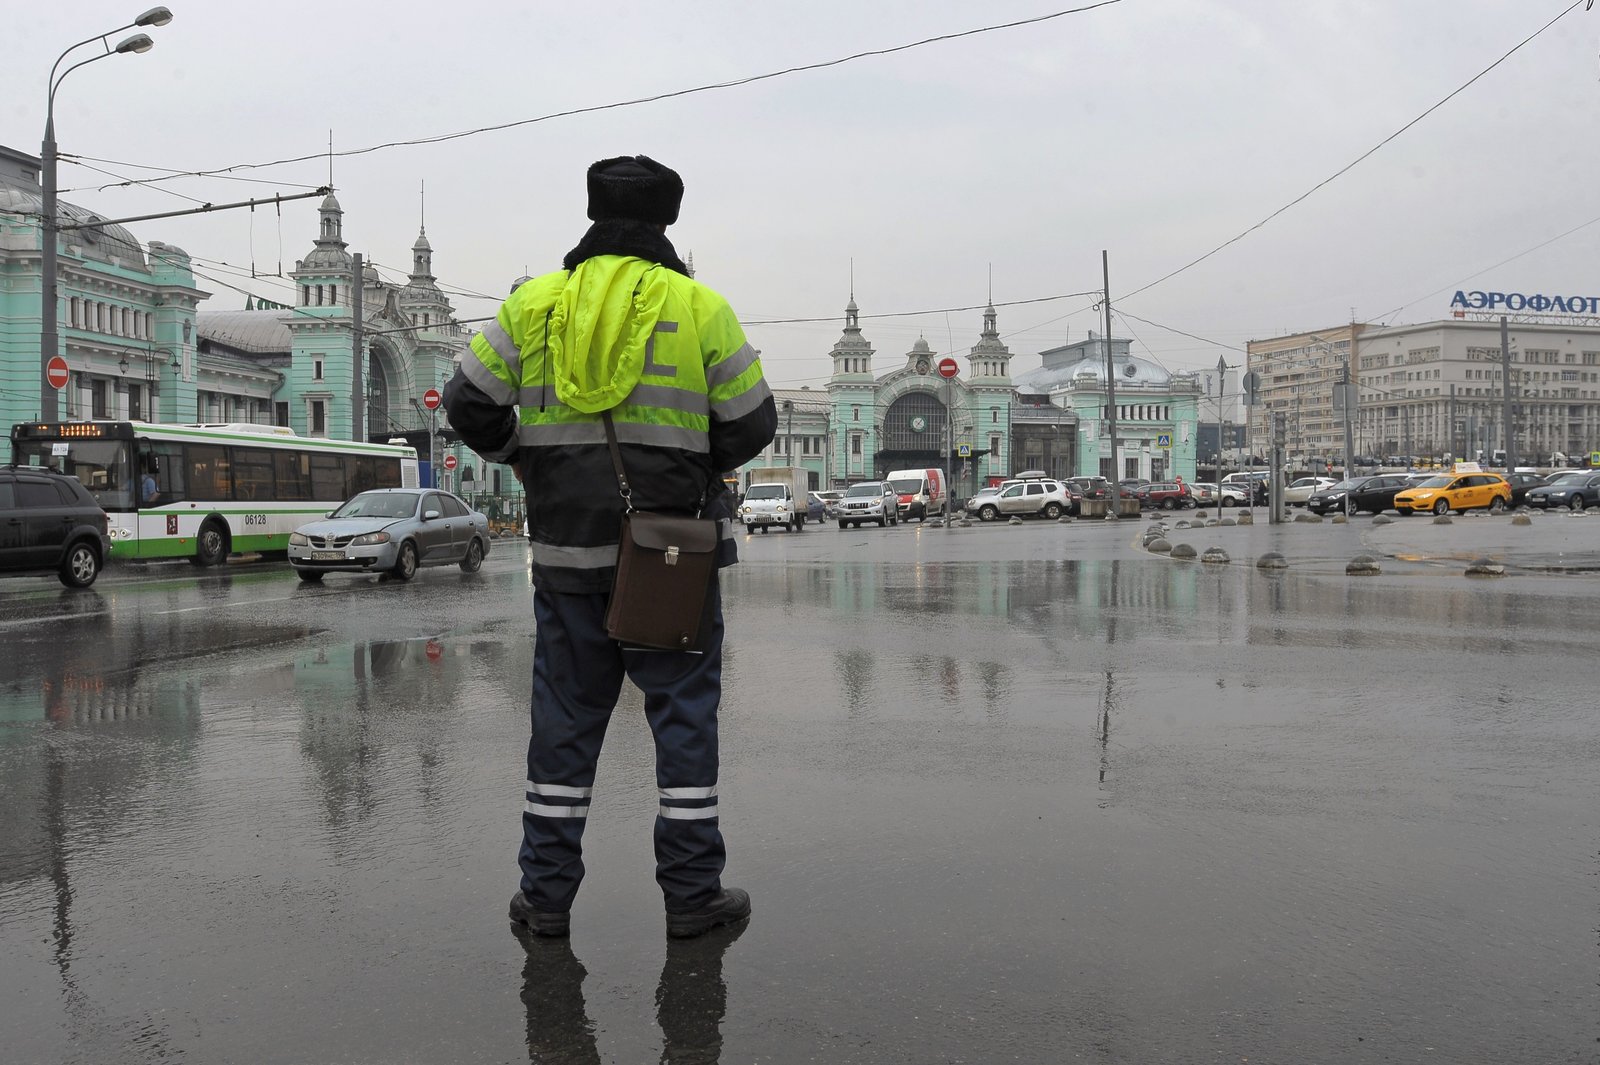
(622, 474)
(616, 459)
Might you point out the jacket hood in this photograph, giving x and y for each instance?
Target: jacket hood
(599, 326)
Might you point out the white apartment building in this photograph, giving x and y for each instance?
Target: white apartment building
(1434, 389)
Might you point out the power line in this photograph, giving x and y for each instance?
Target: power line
(1359, 159)
(124, 180)
(1180, 332)
(1450, 288)
(913, 314)
(734, 83)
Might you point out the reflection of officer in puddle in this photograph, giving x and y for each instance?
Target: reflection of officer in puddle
(691, 1000)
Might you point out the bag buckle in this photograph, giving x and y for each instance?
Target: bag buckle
(672, 556)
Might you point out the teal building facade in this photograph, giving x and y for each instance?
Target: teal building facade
(126, 313)
(986, 423)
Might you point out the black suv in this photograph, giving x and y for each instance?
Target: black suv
(48, 521)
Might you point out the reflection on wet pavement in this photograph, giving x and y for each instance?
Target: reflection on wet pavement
(993, 805)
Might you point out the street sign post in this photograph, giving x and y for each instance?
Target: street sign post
(948, 368)
(55, 371)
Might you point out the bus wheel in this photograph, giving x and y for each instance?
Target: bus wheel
(211, 546)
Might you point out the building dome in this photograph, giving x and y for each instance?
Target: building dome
(1129, 370)
(103, 243)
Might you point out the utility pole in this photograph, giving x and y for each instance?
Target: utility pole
(1222, 379)
(1111, 393)
(1505, 396)
(358, 394)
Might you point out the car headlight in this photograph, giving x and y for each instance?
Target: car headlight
(298, 539)
(368, 539)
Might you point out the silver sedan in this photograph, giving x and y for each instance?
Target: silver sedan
(392, 530)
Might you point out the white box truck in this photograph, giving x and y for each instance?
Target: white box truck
(776, 496)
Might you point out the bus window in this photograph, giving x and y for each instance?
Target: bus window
(293, 473)
(252, 474)
(170, 470)
(208, 472)
(327, 477)
(364, 474)
(104, 467)
(387, 473)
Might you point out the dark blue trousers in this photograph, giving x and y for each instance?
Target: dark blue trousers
(577, 676)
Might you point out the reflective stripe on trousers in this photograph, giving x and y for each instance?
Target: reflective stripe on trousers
(577, 677)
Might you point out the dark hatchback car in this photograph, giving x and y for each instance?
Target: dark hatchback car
(1573, 490)
(50, 523)
(1375, 494)
(1522, 483)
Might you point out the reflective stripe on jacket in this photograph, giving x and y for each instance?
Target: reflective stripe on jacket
(663, 353)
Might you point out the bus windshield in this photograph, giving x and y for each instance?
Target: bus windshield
(104, 467)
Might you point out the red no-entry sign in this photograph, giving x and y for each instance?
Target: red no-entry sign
(449, 462)
(948, 368)
(431, 399)
(55, 371)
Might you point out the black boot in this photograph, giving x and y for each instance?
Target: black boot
(728, 907)
(535, 921)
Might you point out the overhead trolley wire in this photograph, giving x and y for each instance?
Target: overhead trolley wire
(1359, 159)
(636, 101)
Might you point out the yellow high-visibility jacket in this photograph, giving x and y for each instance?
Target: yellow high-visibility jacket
(663, 353)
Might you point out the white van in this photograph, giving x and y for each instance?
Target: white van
(921, 492)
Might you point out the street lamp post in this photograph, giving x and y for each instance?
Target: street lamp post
(49, 338)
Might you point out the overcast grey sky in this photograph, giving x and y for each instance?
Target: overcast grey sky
(1155, 129)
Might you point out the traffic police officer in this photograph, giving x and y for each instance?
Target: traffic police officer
(620, 328)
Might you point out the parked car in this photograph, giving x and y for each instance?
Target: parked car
(1575, 490)
(1091, 487)
(391, 530)
(1165, 495)
(1521, 482)
(1041, 497)
(816, 506)
(987, 493)
(1444, 492)
(1303, 488)
(1202, 493)
(50, 523)
(874, 501)
(1375, 494)
(830, 498)
(1130, 485)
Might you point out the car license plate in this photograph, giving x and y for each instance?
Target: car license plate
(327, 556)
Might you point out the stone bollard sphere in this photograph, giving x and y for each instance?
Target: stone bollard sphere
(1363, 566)
(1272, 560)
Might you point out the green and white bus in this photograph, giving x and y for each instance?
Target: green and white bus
(204, 492)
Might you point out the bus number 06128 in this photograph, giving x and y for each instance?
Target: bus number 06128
(255, 519)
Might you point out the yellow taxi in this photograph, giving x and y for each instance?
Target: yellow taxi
(1464, 488)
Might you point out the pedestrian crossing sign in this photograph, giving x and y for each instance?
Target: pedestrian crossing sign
(1164, 440)
(964, 451)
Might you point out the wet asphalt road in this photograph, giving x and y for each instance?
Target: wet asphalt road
(1000, 794)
